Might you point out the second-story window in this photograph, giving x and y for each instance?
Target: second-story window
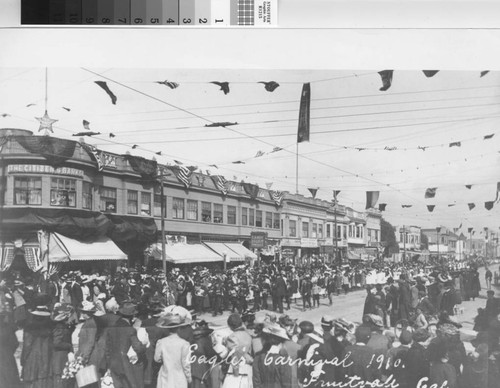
(107, 199)
(132, 201)
(320, 230)
(251, 217)
(244, 216)
(192, 210)
(218, 213)
(231, 215)
(292, 228)
(178, 208)
(276, 221)
(145, 204)
(258, 218)
(269, 220)
(157, 206)
(62, 192)
(305, 229)
(206, 212)
(27, 191)
(87, 195)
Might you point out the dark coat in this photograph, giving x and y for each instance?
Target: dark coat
(417, 364)
(360, 357)
(280, 287)
(199, 369)
(273, 375)
(9, 375)
(62, 346)
(443, 372)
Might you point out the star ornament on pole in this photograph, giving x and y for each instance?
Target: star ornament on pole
(46, 123)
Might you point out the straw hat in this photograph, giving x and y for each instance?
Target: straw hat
(276, 331)
(172, 320)
(62, 312)
(41, 311)
(342, 324)
(87, 307)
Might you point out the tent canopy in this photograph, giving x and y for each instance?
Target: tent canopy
(223, 249)
(62, 249)
(241, 250)
(181, 253)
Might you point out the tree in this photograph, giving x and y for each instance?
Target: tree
(388, 238)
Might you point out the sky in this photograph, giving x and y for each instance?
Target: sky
(362, 139)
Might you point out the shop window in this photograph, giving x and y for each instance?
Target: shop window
(231, 215)
(251, 217)
(62, 192)
(206, 212)
(258, 218)
(244, 216)
(192, 210)
(27, 191)
(132, 201)
(328, 231)
(218, 213)
(314, 233)
(178, 208)
(320, 231)
(269, 220)
(157, 206)
(145, 204)
(292, 228)
(107, 199)
(87, 196)
(305, 229)
(276, 221)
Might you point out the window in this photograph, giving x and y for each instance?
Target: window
(251, 218)
(63, 192)
(244, 216)
(192, 210)
(269, 220)
(218, 213)
(178, 208)
(107, 199)
(132, 201)
(206, 212)
(292, 228)
(87, 196)
(345, 232)
(276, 221)
(320, 230)
(258, 218)
(27, 191)
(145, 204)
(157, 206)
(231, 215)
(305, 229)
(328, 231)
(314, 233)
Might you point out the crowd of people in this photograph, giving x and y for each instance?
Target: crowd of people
(139, 328)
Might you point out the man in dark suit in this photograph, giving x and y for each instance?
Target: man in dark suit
(280, 292)
(360, 357)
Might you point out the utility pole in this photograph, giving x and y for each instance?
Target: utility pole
(163, 245)
(438, 229)
(335, 234)
(404, 244)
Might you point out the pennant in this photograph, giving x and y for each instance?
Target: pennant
(468, 186)
(360, 149)
(269, 185)
(381, 207)
(486, 137)
(313, 191)
(371, 199)
(430, 192)
(456, 144)
(430, 73)
(431, 208)
(270, 86)
(104, 85)
(184, 174)
(178, 162)
(224, 86)
(111, 134)
(89, 134)
(304, 114)
(220, 183)
(406, 206)
(460, 226)
(145, 167)
(238, 162)
(386, 76)
(86, 125)
(489, 205)
(471, 205)
(276, 149)
(451, 204)
(250, 189)
(455, 230)
(4, 115)
(386, 148)
(220, 124)
(29, 105)
(158, 153)
(66, 109)
(483, 73)
(95, 154)
(335, 193)
(277, 196)
(259, 154)
(498, 192)
(170, 84)
(422, 148)
(214, 166)
(469, 230)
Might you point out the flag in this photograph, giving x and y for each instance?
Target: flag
(371, 199)
(269, 185)
(473, 232)
(270, 86)
(220, 124)
(483, 73)
(220, 183)
(66, 109)
(276, 149)
(313, 192)
(238, 162)
(95, 153)
(214, 165)
(250, 189)
(104, 85)
(170, 84)
(304, 114)
(178, 162)
(430, 73)
(455, 230)
(497, 199)
(277, 196)
(335, 193)
(134, 146)
(381, 206)
(460, 226)
(184, 174)
(456, 144)
(489, 205)
(470, 230)
(386, 76)
(431, 208)
(430, 192)
(422, 148)
(451, 204)
(468, 186)
(406, 206)
(259, 154)
(486, 137)
(471, 205)
(224, 86)
(111, 134)
(86, 125)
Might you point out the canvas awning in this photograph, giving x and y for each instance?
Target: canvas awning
(181, 253)
(222, 249)
(241, 250)
(62, 249)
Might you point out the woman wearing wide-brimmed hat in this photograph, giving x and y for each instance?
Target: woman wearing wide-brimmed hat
(173, 352)
(202, 351)
(64, 319)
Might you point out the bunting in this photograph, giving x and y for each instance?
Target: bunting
(170, 84)
(469, 230)
(430, 192)
(456, 144)
(489, 205)
(371, 199)
(487, 137)
(250, 189)
(95, 154)
(183, 174)
(259, 154)
(483, 73)
(106, 88)
(382, 206)
(56, 151)
(145, 167)
(224, 86)
(277, 196)
(468, 186)
(269, 185)
(497, 199)
(430, 73)
(220, 183)
(220, 124)
(431, 208)
(313, 191)
(276, 149)
(304, 114)
(406, 206)
(386, 76)
(471, 205)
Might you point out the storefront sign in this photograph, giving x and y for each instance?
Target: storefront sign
(308, 243)
(258, 240)
(287, 253)
(287, 242)
(43, 169)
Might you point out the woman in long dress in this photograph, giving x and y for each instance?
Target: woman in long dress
(64, 319)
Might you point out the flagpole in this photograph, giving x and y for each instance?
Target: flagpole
(297, 170)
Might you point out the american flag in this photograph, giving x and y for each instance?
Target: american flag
(184, 174)
(95, 153)
(277, 196)
(220, 182)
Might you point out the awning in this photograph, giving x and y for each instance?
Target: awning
(62, 249)
(241, 250)
(222, 249)
(185, 253)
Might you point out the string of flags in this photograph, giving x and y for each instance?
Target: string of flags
(269, 86)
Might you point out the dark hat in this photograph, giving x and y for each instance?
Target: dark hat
(363, 334)
(285, 320)
(421, 335)
(306, 327)
(128, 309)
(342, 324)
(327, 321)
(405, 337)
(234, 321)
